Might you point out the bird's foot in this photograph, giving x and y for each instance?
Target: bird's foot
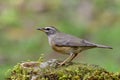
(64, 64)
(61, 64)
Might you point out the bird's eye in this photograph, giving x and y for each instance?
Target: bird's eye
(48, 29)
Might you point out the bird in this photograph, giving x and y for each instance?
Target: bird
(68, 44)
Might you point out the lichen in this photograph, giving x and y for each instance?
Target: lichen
(75, 71)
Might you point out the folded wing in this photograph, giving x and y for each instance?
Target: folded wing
(65, 40)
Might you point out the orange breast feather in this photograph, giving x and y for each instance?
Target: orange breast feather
(63, 50)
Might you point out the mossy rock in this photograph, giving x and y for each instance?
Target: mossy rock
(75, 71)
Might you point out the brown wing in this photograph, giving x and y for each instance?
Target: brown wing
(65, 40)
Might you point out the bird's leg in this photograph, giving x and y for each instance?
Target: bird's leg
(73, 56)
(69, 59)
(62, 63)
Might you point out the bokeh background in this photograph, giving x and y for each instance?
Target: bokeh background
(95, 20)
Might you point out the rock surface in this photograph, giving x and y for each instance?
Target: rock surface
(49, 70)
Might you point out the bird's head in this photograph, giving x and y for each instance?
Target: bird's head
(49, 30)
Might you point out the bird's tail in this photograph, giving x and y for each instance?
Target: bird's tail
(103, 46)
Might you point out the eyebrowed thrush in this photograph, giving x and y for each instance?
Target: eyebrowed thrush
(68, 44)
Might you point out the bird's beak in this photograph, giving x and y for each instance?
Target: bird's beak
(41, 29)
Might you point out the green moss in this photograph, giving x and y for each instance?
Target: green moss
(76, 71)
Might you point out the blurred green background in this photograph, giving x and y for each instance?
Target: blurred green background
(95, 20)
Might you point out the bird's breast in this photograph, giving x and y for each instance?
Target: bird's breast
(63, 50)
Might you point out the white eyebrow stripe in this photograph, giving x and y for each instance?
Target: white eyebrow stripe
(49, 28)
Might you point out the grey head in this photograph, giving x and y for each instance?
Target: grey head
(49, 30)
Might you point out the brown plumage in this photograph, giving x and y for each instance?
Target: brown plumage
(68, 44)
